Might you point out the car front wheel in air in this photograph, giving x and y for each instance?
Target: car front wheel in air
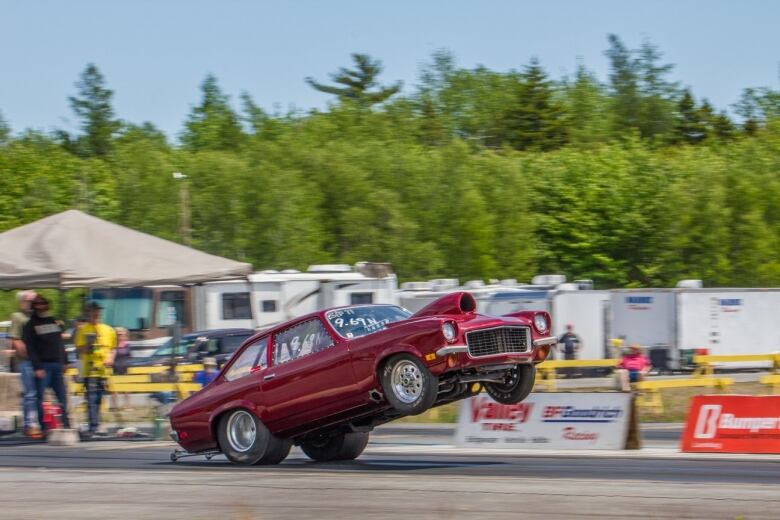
(516, 386)
(341, 446)
(408, 385)
(245, 440)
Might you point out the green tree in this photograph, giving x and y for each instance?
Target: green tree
(213, 124)
(92, 105)
(535, 119)
(5, 130)
(691, 128)
(586, 109)
(624, 84)
(360, 84)
(658, 95)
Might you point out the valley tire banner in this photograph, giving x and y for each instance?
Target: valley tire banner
(597, 420)
(733, 424)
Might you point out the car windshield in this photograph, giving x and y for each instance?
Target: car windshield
(354, 322)
(184, 344)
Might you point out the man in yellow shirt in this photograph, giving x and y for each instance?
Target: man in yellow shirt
(94, 341)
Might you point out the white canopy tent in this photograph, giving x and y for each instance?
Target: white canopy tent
(73, 249)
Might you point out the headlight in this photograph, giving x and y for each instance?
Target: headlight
(450, 334)
(540, 322)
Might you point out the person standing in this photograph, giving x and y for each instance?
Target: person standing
(95, 342)
(571, 347)
(29, 387)
(571, 343)
(46, 352)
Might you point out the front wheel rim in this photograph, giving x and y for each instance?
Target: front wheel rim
(407, 381)
(510, 382)
(242, 431)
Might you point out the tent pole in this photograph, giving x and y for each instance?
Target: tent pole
(63, 304)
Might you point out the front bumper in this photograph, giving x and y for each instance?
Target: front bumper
(464, 349)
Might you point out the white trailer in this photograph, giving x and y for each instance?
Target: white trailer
(588, 313)
(271, 297)
(718, 321)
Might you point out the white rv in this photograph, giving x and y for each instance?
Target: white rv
(270, 297)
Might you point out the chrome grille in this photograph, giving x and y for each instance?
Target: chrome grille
(499, 340)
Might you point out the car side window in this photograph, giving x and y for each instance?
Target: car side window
(252, 356)
(300, 340)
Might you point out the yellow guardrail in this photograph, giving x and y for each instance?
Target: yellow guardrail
(773, 381)
(650, 391)
(705, 364)
(141, 380)
(548, 369)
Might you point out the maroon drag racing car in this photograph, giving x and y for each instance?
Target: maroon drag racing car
(325, 380)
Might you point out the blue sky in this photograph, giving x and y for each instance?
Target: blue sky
(154, 54)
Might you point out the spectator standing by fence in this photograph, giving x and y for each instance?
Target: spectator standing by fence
(29, 387)
(95, 342)
(46, 352)
(571, 347)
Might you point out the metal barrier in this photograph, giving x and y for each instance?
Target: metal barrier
(143, 380)
(773, 381)
(705, 364)
(650, 395)
(547, 369)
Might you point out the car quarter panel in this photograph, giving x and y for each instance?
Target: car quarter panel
(194, 417)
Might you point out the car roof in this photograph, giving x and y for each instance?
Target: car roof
(219, 332)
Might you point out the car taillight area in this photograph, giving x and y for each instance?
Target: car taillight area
(498, 340)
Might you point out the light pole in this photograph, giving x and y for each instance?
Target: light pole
(184, 208)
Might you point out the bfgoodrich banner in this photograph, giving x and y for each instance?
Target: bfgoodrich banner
(546, 420)
(733, 423)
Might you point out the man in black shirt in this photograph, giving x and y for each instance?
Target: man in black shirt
(571, 346)
(43, 337)
(570, 342)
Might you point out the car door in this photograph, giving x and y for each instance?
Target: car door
(310, 376)
(242, 379)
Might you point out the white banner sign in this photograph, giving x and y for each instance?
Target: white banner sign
(546, 420)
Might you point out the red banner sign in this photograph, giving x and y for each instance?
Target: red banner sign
(733, 424)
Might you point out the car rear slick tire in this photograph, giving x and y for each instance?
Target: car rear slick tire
(245, 440)
(341, 446)
(518, 385)
(277, 451)
(408, 385)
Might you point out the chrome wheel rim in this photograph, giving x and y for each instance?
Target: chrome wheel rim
(407, 381)
(241, 431)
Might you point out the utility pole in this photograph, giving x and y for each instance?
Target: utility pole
(185, 231)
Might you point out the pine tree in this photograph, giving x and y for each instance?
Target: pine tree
(690, 128)
(213, 125)
(657, 93)
(586, 108)
(624, 82)
(357, 84)
(5, 130)
(93, 106)
(536, 119)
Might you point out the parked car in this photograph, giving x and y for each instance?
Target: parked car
(219, 344)
(325, 380)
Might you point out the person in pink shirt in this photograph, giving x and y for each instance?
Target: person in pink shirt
(633, 367)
